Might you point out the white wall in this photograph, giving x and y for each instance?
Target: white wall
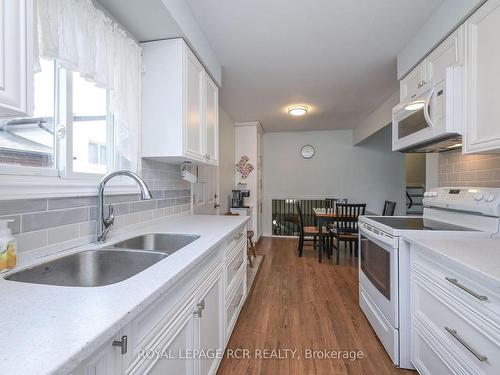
(449, 15)
(226, 158)
(368, 173)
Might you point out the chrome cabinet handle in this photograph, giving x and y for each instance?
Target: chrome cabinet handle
(200, 306)
(238, 236)
(455, 335)
(464, 288)
(123, 343)
(236, 304)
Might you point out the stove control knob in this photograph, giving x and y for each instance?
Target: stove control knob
(426, 194)
(490, 198)
(433, 193)
(479, 197)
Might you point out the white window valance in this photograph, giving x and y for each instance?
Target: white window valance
(82, 38)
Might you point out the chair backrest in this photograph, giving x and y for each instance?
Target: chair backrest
(346, 216)
(300, 217)
(330, 204)
(389, 208)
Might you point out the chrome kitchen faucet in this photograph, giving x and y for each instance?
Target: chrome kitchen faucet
(104, 223)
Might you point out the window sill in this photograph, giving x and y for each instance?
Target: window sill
(29, 187)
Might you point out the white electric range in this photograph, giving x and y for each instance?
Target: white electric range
(384, 262)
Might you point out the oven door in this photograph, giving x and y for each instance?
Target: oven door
(378, 272)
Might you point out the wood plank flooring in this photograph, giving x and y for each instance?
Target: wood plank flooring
(300, 304)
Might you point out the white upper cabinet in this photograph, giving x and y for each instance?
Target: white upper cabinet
(179, 105)
(449, 53)
(482, 80)
(212, 121)
(193, 81)
(16, 57)
(411, 85)
(432, 70)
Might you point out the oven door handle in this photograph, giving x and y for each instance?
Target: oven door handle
(382, 238)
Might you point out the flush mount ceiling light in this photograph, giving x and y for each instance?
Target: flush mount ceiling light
(415, 105)
(297, 110)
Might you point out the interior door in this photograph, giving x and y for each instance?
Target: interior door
(194, 144)
(212, 121)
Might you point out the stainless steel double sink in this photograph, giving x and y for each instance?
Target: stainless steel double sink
(106, 266)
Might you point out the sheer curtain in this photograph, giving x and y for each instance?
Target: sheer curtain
(82, 38)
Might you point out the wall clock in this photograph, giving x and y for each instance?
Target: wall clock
(307, 151)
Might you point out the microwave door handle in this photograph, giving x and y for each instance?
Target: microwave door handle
(427, 115)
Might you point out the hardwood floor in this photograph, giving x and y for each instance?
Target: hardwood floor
(299, 304)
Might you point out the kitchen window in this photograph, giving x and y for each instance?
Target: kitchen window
(71, 132)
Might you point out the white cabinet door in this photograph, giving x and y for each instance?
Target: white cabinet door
(194, 76)
(448, 53)
(16, 57)
(411, 85)
(211, 325)
(106, 361)
(482, 80)
(171, 352)
(212, 121)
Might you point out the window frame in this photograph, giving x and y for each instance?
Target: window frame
(60, 180)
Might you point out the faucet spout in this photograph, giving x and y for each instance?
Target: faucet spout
(104, 223)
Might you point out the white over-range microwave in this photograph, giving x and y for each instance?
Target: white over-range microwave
(432, 121)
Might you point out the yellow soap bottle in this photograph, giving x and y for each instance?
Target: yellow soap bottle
(8, 246)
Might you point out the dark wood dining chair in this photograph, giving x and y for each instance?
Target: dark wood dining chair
(306, 233)
(346, 226)
(250, 245)
(389, 208)
(330, 204)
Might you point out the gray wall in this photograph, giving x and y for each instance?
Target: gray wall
(368, 173)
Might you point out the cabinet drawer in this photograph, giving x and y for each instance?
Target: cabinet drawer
(463, 332)
(234, 303)
(428, 356)
(235, 237)
(234, 265)
(461, 284)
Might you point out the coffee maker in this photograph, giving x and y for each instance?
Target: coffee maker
(238, 199)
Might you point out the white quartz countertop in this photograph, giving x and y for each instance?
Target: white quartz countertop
(48, 329)
(479, 252)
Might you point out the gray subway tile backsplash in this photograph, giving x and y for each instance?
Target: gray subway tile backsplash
(41, 222)
(50, 219)
(19, 206)
(142, 206)
(62, 203)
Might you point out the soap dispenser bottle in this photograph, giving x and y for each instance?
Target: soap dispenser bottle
(8, 246)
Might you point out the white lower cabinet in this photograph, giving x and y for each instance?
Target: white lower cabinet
(185, 331)
(455, 314)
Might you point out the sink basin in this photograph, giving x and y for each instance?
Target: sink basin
(167, 243)
(88, 268)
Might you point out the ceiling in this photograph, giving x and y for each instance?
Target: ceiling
(336, 56)
(144, 19)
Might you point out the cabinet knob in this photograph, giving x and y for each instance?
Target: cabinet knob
(123, 343)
